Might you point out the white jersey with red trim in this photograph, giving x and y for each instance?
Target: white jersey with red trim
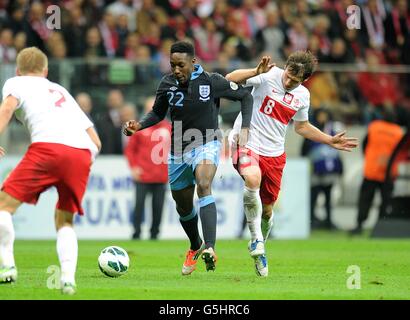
(273, 108)
(49, 112)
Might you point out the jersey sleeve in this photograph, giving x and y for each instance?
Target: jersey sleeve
(11, 88)
(259, 79)
(159, 110)
(303, 112)
(223, 88)
(161, 102)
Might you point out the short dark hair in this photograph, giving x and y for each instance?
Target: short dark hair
(301, 64)
(183, 47)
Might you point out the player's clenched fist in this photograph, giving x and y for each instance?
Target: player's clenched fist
(130, 127)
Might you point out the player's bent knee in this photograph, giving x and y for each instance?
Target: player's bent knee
(252, 177)
(203, 187)
(252, 182)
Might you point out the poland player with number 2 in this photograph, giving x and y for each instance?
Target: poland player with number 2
(278, 98)
(63, 146)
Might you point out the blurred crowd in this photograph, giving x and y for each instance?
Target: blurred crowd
(227, 33)
(222, 30)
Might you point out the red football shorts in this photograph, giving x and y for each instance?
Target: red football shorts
(271, 170)
(51, 164)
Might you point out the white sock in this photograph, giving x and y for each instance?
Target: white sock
(266, 226)
(7, 237)
(253, 210)
(67, 250)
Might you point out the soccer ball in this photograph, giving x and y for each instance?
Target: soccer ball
(113, 261)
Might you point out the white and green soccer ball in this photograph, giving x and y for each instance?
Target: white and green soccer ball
(113, 261)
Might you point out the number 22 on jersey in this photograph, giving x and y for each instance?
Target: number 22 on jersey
(177, 101)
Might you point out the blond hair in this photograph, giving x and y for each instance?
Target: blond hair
(31, 60)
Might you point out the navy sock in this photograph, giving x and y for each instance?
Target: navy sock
(190, 224)
(208, 220)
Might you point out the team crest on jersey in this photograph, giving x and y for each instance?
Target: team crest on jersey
(173, 88)
(233, 85)
(288, 97)
(204, 92)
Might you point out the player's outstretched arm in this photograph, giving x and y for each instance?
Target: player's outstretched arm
(241, 75)
(7, 108)
(338, 141)
(157, 114)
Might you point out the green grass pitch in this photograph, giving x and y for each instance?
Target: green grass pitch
(298, 269)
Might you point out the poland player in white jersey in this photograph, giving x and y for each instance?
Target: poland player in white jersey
(279, 97)
(63, 146)
(49, 112)
(273, 108)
